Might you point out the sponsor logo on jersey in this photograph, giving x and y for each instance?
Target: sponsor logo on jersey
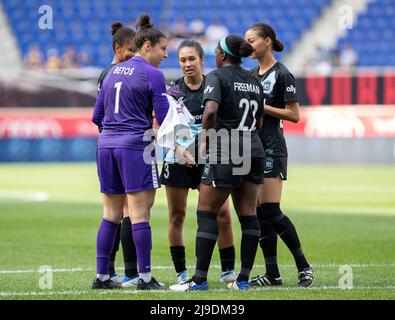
(269, 83)
(208, 89)
(266, 85)
(291, 88)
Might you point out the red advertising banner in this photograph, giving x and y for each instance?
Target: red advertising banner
(319, 122)
(364, 87)
(46, 123)
(344, 122)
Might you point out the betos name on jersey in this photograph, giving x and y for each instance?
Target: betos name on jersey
(246, 87)
(123, 70)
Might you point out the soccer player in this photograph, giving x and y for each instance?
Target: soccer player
(281, 103)
(122, 44)
(179, 178)
(233, 100)
(125, 161)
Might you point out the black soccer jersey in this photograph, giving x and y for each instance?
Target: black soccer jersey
(240, 98)
(103, 75)
(193, 99)
(279, 87)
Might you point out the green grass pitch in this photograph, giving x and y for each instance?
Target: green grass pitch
(345, 215)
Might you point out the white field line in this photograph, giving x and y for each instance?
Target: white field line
(23, 196)
(216, 266)
(37, 270)
(114, 292)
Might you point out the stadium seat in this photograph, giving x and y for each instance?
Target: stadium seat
(373, 32)
(83, 23)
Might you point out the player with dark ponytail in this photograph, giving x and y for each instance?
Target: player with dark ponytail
(281, 103)
(233, 101)
(123, 47)
(130, 93)
(178, 178)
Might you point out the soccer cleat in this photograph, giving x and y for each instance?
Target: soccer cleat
(130, 282)
(182, 276)
(152, 285)
(265, 280)
(189, 285)
(306, 277)
(114, 277)
(107, 284)
(238, 285)
(228, 276)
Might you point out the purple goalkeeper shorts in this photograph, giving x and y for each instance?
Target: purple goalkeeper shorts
(124, 171)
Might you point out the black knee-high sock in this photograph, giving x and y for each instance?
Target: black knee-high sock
(249, 244)
(206, 237)
(114, 250)
(287, 232)
(128, 248)
(227, 256)
(268, 242)
(178, 257)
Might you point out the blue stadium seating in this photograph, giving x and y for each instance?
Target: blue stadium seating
(86, 24)
(373, 35)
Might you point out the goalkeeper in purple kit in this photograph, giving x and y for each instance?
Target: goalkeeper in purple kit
(130, 93)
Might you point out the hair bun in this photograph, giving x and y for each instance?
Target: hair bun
(115, 27)
(245, 49)
(278, 45)
(144, 22)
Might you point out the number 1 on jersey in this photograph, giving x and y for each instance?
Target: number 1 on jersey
(117, 86)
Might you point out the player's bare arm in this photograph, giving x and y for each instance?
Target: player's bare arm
(209, 119)
(290, 113)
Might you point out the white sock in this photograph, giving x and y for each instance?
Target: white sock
(103, 277)
(145, 276)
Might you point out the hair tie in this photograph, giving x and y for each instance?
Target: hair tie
(224, 47)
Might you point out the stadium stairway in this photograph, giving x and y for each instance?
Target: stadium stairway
(10, 56)
(324, 33)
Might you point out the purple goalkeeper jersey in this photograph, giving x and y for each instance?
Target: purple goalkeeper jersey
(123, 109)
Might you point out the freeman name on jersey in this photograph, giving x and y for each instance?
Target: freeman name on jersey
(246, 87)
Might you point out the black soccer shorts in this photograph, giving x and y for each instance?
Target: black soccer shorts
(177, 175)
(276, 167)
(223, 175)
